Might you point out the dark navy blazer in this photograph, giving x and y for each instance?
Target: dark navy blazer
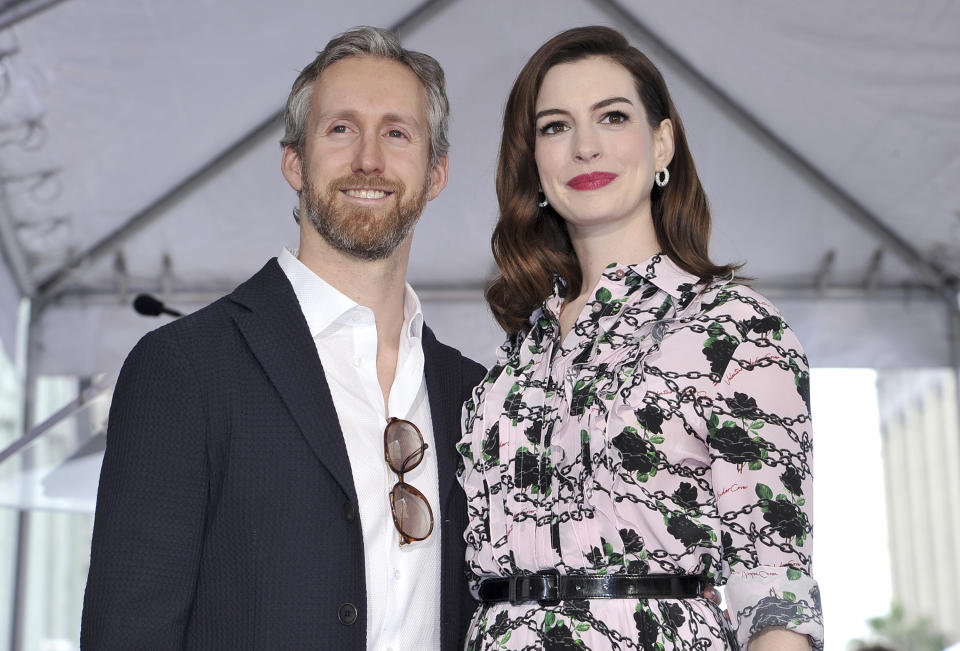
(226, 515)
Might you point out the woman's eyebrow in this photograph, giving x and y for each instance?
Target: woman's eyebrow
(599, 105)
(552, 111)
(609, 101)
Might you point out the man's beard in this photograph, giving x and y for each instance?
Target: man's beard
(365, 233)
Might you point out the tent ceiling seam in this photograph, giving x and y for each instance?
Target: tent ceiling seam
(12, 251)
(23, 10)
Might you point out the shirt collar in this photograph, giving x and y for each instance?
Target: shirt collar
(659, 270)
(322, 304)
(662, 272)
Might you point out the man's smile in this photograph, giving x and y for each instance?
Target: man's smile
(365, 193)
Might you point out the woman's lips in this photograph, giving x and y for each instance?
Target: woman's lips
(591, 181)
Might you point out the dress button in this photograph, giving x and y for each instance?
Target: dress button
(347, 614)
(349, 512)
(620, 274)
(396, 575)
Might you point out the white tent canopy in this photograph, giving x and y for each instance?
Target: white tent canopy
(138, 152)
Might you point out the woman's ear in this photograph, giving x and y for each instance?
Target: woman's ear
(663, 144)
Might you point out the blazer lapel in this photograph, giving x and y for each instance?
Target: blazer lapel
(277, 333)
(442, 371)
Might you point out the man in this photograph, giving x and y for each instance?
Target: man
(244, 500)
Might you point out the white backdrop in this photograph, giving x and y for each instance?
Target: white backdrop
(130, 99)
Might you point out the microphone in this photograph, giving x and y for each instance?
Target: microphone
(147, 305)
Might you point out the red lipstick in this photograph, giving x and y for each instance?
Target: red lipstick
(591, 181)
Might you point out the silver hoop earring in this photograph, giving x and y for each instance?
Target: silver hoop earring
(544, 203)
(662, 180)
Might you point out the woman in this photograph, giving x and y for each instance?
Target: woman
(646, 431)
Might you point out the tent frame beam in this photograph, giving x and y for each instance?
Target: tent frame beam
(940, 278)
(54, 283)
(178, 298)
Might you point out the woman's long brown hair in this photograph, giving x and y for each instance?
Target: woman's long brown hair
(530, 243)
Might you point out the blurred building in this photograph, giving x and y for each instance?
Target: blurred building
(921, 452)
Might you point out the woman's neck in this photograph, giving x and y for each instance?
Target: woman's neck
(599, 245)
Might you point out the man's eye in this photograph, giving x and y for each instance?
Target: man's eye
(552, 128)
(614, 117)
(340, 128)
(396, 133)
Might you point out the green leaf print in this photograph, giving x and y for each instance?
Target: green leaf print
(514, 388)
(789, 596)
(755, 465)
(583, 627)
(603, 295)
(657, 439)
(549, 620)
(505, 638)
(757, 424)
(793, 574)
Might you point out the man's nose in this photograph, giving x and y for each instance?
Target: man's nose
(368, 158)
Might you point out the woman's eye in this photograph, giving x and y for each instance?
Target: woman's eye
(552, 128)
(614, 117)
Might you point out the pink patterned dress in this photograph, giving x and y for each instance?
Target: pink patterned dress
(669, 432)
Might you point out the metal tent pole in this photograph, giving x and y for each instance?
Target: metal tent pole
(26, 364)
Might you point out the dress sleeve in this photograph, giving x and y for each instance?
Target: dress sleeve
(761, 459)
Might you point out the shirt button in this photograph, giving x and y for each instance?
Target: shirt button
(396, 575)
(347, 614)
(358, 361)
(620, 274)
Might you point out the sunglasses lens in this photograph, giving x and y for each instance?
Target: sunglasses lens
(411, 512)
(404, 446)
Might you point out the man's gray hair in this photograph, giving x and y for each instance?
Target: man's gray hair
(371, 41)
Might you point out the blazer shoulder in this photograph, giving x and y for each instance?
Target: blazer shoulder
(471, 373)
(198, 326)
(205, 327)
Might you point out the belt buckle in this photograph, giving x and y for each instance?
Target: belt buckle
(551, 596)
(512, 588)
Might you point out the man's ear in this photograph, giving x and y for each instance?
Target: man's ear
(291, 168)
(438, 177)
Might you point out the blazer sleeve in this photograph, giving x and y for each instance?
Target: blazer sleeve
(151, 504)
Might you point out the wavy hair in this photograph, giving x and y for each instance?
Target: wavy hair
(531, 244)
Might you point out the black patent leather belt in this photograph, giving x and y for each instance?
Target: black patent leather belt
(549, 588)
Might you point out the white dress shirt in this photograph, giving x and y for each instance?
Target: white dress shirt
(403, 584)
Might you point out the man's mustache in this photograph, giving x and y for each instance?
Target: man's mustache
(367, 182)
